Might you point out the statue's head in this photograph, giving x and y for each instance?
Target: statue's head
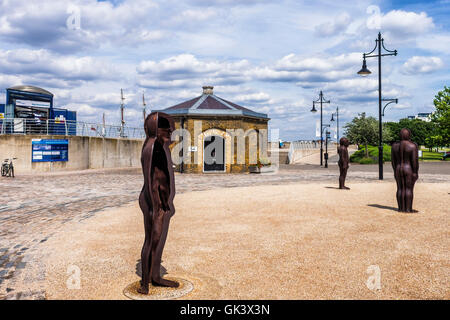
(344, 142)
(159, 125)
(405, 134)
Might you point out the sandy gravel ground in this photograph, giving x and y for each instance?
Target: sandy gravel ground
(297, 241)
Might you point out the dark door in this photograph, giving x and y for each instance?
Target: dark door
(213, 154)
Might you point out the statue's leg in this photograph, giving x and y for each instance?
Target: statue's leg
(403, 190)
(398, 194)
(343, 179)
(160, 230)
(409, 186)
(342, 176)
(146, 248)
(159, 235)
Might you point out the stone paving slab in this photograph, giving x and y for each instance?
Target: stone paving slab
(34, 207)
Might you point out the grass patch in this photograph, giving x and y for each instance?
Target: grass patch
(432, 156)
(360, 155)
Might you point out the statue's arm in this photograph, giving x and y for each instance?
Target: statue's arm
(148, 168)
(415, 159)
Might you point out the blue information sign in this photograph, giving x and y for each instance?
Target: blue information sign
(44, 150)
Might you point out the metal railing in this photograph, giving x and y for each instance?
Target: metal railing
(305, 145)
(68, 128)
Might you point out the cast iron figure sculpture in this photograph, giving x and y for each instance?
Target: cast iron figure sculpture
(156, 198)
(343, 161)
(405, 162)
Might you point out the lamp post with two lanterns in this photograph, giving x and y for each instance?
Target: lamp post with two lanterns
(321, 100)
(379, 43)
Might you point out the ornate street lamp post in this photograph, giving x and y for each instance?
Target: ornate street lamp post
(321, 100)
(337, 122)
(327, 135)
(379, 43)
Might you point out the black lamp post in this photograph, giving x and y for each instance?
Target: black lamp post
(379, 43)
(321, 100)
(337, 122)
(327, 134)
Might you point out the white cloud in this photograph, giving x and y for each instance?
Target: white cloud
(417, 64)
(259, 97)
(435, 43)
(339, 24)
(44, 23)
(406, 23)
(44, 63)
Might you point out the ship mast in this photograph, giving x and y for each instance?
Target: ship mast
(122, 125)
(143, 106)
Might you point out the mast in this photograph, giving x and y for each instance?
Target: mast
(122, 125)
(143, 105)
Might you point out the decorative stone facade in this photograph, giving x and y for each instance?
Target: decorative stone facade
(244, 133)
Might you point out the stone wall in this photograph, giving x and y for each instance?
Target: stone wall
(84, 153)
(219, 126)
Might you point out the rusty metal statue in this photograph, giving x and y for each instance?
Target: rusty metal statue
(156, 198)
(405, 162)
(343, 162)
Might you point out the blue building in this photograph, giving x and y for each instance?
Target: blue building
(35, 105)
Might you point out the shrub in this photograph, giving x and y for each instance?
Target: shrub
(367, 161)
(359, 156)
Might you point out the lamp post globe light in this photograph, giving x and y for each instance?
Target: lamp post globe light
(321, 100)
(379, 43)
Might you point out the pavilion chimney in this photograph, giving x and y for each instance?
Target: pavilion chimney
(208, 89)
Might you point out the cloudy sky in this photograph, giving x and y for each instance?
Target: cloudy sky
(270, 56)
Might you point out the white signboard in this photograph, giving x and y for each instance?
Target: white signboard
(420, 153)
(31, 103)
(318, 128)
(192, 149)
(18, 125)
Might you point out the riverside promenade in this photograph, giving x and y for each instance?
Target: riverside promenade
(36, 208)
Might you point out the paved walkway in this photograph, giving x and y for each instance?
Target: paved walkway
(34, 207)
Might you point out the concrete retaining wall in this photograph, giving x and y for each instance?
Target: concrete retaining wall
(84, 153)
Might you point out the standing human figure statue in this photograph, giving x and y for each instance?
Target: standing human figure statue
(343, 162)
(405, 162)
(156, 198)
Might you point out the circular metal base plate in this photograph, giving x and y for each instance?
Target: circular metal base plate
(159, 293)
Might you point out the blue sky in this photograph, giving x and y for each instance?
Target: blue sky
(270, 56)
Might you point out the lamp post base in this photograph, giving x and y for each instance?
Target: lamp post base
(380, 162)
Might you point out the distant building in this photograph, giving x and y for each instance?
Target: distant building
(424, 116)
(209, 119)
(29, 109)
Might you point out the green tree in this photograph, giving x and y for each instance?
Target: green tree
(363, 131)
(420, 130)
(434, 141)
(442, 116)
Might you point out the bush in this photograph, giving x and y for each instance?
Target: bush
(368, 161)
(360, 155)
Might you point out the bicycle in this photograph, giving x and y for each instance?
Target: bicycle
(8, 168)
